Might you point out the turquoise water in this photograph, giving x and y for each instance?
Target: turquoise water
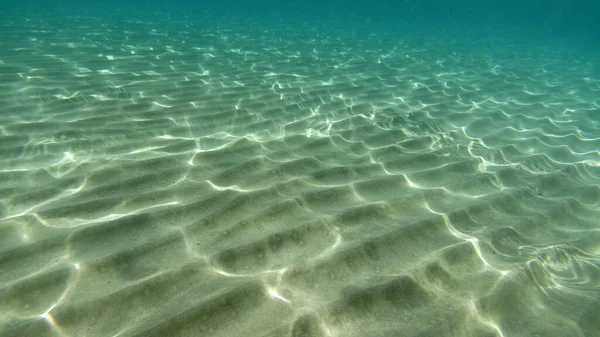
(277, 169)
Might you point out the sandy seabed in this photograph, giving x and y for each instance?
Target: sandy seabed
(198, 182)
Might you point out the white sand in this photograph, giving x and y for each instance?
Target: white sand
(214, 183)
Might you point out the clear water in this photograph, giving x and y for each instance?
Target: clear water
(317, 169)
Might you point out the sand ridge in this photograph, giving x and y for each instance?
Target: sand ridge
(212, 182)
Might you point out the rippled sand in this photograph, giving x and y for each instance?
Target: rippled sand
(256, 182)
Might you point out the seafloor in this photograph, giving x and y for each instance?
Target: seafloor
(160, 178)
